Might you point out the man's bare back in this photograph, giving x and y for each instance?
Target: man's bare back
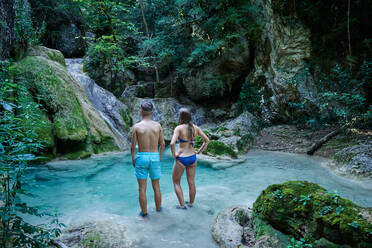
(148, 134)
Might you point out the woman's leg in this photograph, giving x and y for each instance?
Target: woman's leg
(176, 175)
(190, 174)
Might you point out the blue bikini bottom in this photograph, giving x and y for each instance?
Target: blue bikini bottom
(187, 161)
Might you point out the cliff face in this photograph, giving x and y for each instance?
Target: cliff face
(279, 65)
(71, 126)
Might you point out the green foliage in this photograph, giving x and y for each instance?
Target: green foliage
(18, 144)
(343, 95)
(299, 243)
(249, 98)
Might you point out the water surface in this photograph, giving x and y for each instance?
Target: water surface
(104, 187)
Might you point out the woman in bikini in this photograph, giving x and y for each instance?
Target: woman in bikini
(185, 157)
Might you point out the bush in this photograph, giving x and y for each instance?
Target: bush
(18, 144)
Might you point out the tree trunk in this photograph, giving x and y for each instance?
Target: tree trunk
(314, 147)
(7, 37)
(148, 36)
(348, 26)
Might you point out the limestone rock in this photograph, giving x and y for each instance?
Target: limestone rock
(279, 65)
(104, 233)
(141, 90)
(234, 227)
(355, 160)
(227, 229)
(75, 125)
(165, 112)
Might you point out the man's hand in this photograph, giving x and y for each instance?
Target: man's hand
(133, 163)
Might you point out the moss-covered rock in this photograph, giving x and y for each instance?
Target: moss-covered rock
(47, 53)
(73, 128)
(306, 210)
(216, 148)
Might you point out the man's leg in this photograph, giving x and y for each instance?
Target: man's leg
(176, 175)
(142, 183)
(157, 193)
(190, 175)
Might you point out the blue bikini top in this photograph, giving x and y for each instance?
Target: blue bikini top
(192, 141)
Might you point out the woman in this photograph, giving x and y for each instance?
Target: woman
(185, 157)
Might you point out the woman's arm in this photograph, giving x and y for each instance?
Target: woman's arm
(173, 141)
(205, 139)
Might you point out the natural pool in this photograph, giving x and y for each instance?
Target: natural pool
(104, 188)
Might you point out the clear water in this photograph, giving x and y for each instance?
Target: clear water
(104, 187)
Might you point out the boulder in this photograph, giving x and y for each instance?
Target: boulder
(306, 210)
(141, 90)
(74, 128)
(70, 41)
(232, 136)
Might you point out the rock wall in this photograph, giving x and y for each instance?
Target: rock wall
(72, 127)
(279, 66)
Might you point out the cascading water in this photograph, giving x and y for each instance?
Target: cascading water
(104, 101)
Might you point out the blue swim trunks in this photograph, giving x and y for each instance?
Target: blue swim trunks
(147, 163)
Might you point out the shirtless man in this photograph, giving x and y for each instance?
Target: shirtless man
(148, 134)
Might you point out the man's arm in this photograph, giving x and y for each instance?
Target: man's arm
(133, 146)
(161, 141)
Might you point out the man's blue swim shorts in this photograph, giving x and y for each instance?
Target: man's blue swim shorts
(147, 163)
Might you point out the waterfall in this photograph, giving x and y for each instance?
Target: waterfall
(104, 102)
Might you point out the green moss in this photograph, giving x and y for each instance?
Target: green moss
(172, 125)
(50, 84)
(78, 154)
(127, 119)
(215, 148)
(306, 210)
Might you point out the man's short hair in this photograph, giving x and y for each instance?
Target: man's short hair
(147, 107)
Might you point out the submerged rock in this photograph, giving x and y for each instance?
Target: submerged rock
(306, 210)
(70, 126)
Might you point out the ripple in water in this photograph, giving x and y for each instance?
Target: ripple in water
(104, 188)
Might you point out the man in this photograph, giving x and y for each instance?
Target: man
(148, 134)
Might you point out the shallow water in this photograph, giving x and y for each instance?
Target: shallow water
(104, 187)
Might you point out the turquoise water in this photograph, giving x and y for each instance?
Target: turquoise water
(104, 188)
